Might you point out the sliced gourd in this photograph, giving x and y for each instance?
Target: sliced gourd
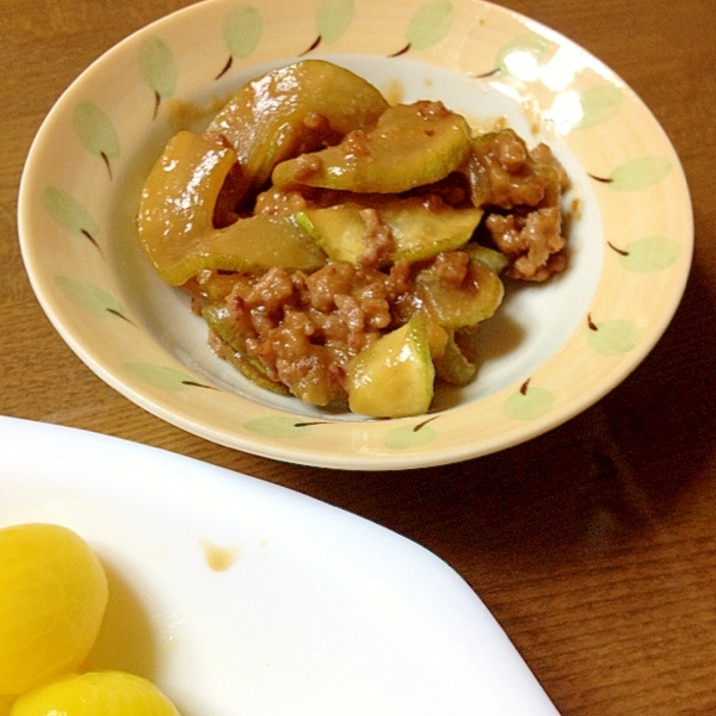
(175, 219)
(418, 231)
(492, 258)
(228, 329)
(225, 325)
(179, 195)
(338, 230)
(455, 365)
(394, 377)
(294, 109)
(410, 146)
(455, 306)
(250, 245)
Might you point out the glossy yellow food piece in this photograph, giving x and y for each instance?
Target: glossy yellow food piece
(418, 231)
(175, 219)
(252, 245)
(412, 145)
(492, 258)
(178, 198)
(394, 377)
(294, 109)
(53, 594)
(180, 193)
(6, 704)
(109, 693)
(457, 306)
(456, 365)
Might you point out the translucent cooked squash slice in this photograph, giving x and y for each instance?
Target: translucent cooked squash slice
(291, 110)
(456, 306)
(251, 245)
(411, 145)
(176, 212)
(179, 195)
(395, 376)
(492, 258)
(228, 330)
(418, 231)
(457, 364)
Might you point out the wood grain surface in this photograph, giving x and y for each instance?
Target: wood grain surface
(595, 545)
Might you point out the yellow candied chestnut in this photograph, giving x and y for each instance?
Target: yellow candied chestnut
(101, 693)
(53, 595)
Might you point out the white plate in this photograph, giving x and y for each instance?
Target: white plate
(552, 350)
(241, 597)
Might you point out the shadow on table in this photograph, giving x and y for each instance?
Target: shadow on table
(588, 487)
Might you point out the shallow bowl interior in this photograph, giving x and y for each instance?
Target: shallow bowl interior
(553, 349)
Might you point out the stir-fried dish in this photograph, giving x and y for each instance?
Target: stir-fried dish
(345, 250)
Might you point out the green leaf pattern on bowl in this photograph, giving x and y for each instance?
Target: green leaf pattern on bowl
(598, 105)
(430, 23)
(96, 131)
(613, 337)
(653, 253)
(162, 376)
(640, 173)
(90, 298)
(521, 53)
(529, 403)
(333, 18)
(69, 213)
(409, 437)
(242, 31)
(277, 427)
(158, 69)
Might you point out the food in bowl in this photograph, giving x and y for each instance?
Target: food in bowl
(345, 250)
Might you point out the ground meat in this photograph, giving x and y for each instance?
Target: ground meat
(292, 358)
(451, 266)
(378, 239)
(542, 154)
(334, 279)
(307, 165)
(305, 329)
(356, 144)
(522, 199)
(431, 109)
(277, 202)
(510, 172)
(535, 242)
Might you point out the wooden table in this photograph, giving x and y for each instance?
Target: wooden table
(595, 545)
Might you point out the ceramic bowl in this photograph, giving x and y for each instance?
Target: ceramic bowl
(552, 350)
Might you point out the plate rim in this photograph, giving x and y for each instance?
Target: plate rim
(61, 485)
